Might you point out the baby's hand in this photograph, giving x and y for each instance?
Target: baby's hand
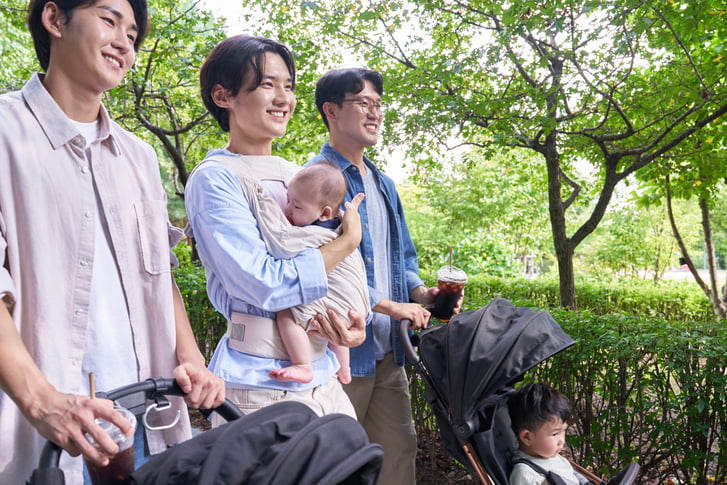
(351, 219)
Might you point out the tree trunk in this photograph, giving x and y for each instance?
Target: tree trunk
(561, 242)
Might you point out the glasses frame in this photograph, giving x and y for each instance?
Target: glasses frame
(368, 105)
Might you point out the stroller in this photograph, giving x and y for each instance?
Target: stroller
(469, 366)
(280, 444)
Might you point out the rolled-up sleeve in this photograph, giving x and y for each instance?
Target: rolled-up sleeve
(7, 287)
(239, 268)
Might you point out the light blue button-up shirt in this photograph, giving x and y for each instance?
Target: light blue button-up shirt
(243, 277)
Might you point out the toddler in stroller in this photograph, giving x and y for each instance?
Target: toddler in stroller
(469, 367)
(539, 416)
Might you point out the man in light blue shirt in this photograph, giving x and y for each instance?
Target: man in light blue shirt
(247, 84)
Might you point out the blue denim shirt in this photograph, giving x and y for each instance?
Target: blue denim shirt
(404, 272)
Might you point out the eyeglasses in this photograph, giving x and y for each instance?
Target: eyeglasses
(367, 105)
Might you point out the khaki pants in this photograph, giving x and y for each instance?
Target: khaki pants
(325, 399)
(383, 405)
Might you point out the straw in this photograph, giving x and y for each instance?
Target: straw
(450, 259)
(92, 390)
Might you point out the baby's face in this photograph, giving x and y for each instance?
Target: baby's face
(548, 441)
(302, 207)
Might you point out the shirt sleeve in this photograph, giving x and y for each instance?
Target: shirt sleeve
(411, 262)
(7, 287)
(234, 253)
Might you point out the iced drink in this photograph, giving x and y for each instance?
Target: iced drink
(121, 464)
(450, 281)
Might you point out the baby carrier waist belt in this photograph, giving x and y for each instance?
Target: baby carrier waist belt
(259, 336)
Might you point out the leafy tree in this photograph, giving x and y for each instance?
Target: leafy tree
(16, 46)
(615, 85)
(637, 241)
(490, 212)
(160, 99)
(698, 175)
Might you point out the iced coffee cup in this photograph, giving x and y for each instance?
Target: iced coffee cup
(121, 464)
(450, 281)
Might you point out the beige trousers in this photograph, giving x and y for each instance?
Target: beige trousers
(383, 405)
(325, 399)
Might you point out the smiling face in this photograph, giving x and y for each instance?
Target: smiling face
(545, 442)
(93, 48)
(351, 125)
(260, 114)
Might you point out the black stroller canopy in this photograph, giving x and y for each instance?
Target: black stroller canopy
(479, 355)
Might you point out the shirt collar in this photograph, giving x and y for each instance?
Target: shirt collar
(332, 155)
(53, 121)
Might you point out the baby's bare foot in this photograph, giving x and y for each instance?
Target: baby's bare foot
(302, 373)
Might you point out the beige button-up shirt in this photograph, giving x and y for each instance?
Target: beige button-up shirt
(47, 205)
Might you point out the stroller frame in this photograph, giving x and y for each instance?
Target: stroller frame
(459, 428)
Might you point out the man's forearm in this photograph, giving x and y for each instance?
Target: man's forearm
(20, 377)
(187, 349)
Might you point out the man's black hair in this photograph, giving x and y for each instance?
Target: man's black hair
(236, 60)
(41, 37)
(532, 405)
(337, 83)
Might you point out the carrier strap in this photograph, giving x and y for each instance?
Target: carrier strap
(552, 478)
(259, 336)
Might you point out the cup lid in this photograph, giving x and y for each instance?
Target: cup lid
(451, 273)
(111, 429)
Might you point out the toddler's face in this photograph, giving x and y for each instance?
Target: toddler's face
(548, 441)
(302, 207)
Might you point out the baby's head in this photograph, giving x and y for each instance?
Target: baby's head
(315, 194)
(539, 416)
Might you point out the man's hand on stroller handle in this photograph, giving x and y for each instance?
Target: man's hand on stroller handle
(202, 388)
(414, 312)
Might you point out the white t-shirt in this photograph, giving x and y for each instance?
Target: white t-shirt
(109, 327)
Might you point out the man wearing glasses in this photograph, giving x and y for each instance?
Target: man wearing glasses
(349, 101)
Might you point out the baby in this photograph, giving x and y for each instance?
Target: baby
(315, 196)
(539, 416)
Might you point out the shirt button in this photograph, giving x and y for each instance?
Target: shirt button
(368, 260)
(84, 170)
(84, 262)
(78, 311)
(87, 215)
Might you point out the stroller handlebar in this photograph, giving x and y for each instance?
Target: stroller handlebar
(152, 389)
(405, 340)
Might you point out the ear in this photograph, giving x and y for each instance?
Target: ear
(525, 436)
(52, 19)
(326, 214)
(331, 110)
(221, 96)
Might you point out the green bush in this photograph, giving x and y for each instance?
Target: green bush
(208, 324)
(645, 389)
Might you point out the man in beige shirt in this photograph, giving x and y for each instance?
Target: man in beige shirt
(85, 248)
